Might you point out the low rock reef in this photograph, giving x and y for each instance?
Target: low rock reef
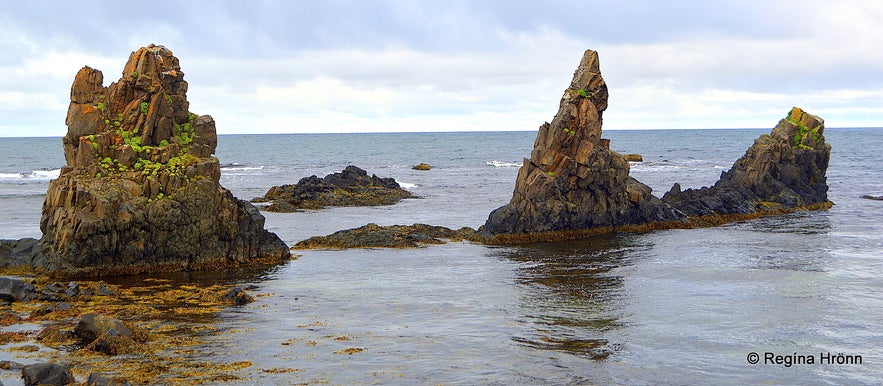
(351, 187)
(391, 236)
(140, 191)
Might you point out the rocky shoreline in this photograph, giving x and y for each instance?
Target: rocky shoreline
(106, 334)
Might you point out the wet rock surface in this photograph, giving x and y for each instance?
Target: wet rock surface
(140, 191)
(350, 187)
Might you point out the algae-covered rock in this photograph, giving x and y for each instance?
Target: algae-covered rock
(781, 171)
(140, 191)
(350, 187)
(422, 166)
(388, 236)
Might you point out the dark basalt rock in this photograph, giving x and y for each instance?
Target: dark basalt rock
(46, 374)
(351, 187)
(573, 180)
(391, 236)
(15, 290)
(140, 191)
(781, 171)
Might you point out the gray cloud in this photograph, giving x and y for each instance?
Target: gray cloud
(424, 59)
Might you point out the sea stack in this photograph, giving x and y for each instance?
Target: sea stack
(140, 191)
(782, 171)
(573, 181)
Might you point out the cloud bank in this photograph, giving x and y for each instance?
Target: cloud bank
(349, 66)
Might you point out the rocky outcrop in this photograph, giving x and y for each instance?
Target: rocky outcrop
(391, 236)
(351, 187)
(422, 166)
(140, 191)
(781, 171)
(573, 180)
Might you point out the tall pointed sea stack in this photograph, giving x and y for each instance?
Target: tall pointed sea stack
(140, 191)
(782, 171)
(573, 181)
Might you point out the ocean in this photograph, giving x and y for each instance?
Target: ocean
(671, 307)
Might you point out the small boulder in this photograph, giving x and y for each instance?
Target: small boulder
(113, 343)
(91, 326)
(46, 374)
(100, 380)
(633, 157)
(422, 166)
(15, 290)
(72, 290)
(870, 197)
(237, 296)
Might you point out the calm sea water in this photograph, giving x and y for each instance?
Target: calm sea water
(677, 306)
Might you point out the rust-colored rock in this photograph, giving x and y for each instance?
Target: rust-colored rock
(140, 191)
(573, 180)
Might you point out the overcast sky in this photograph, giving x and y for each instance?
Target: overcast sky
(370, 66)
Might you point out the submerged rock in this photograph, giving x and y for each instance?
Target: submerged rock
(870, 197)
(140, 191)
(351, 187)
(781, 171)
(391, 236)
(573, 180)
(422, 166)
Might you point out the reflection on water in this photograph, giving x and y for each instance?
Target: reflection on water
(569, 296)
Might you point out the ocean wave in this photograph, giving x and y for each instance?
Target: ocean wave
(501, 164)
(34, 175)
(407, 185)
(235, 168)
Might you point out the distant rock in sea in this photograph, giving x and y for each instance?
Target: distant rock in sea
(422, 166)
(351, 187)
(781, 171)
(573, 180)
(140, 191)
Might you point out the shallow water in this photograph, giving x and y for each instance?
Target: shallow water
(675, 306)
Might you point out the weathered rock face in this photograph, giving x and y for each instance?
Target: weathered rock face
(782, 171)
(351, 187)
(573, 180)
(140, 191)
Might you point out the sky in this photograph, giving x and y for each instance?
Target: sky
(377, 66)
